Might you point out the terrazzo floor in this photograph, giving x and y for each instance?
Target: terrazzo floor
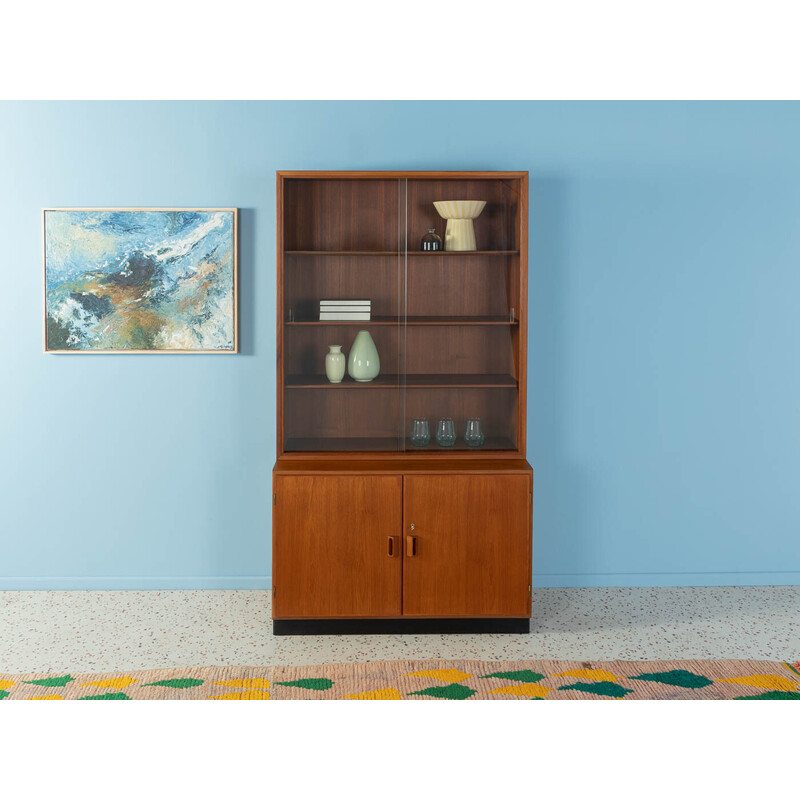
(106, 631)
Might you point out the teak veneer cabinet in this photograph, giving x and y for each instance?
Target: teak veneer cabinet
(372, 534)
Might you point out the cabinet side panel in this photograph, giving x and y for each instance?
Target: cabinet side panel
(522, 330)
(279, 315)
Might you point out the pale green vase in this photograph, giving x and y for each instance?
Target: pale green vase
(363, 363)
(335, 363)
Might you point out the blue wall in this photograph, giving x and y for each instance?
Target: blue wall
(664, 418)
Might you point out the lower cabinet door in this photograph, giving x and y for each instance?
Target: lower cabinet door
(467, 546)
(337, 546)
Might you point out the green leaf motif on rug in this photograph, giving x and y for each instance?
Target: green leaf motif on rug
(62, 680)
(106, 696)
(604, 688)
(675, 677)
(4, 694)
(772, 696)
(319, 684)
(453, 691)
(177, 683)
(521, 675)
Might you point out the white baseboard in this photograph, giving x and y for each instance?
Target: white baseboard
(136, 583)
(653, 579)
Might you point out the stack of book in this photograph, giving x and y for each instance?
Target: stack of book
(345, 309)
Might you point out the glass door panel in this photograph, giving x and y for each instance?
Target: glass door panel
(462, 329)
(343, 273)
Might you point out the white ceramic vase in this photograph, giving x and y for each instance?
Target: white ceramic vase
(460, 233)
(363, 363)
(335, 363)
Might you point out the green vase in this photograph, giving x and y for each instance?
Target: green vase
(363, 363)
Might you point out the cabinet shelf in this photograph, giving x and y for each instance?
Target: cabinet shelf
(442, 381)
(452, 321)
(454, 253)
(337, 444)
(410, 253)
(341, 253)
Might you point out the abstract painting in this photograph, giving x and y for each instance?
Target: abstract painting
(140, 280)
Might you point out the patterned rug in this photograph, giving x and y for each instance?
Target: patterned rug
(428, 680)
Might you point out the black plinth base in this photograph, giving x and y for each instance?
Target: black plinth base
(322, 627)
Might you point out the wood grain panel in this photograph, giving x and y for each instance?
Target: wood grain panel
(329, 214)
(521, 333)
(279, 270)
(473, 546)
(310, 465)
(351, 414)
(330, 543)
(460, 350)
(458, 286)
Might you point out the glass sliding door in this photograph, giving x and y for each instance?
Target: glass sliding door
(462, 324)
(446, 324)
(343, 289)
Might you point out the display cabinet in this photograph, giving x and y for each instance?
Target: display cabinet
(379, 523)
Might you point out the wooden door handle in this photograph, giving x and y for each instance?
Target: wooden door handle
(411, 546)
(393, 546)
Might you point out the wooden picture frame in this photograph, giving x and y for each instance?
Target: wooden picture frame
(116, 285)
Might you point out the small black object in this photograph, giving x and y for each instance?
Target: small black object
(431, 241)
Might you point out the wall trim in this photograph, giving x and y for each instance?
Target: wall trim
(59, 583)
(654, 579)
(540, 581)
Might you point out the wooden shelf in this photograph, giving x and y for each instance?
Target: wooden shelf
(341, 252)
(336, 444)
(491, 443)
(410, 253)
(489, 320)
(453, 253)
(389, 444)
(411, 382)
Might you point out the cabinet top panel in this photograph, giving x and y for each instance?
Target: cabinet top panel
(399, 174)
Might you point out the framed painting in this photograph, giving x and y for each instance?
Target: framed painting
(140, 280)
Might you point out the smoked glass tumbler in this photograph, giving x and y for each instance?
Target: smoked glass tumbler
(473, 433)
(446, 432)
(420, 432)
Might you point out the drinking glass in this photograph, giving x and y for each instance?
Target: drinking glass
(446, 432)
(420, 432)
(473, 433)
